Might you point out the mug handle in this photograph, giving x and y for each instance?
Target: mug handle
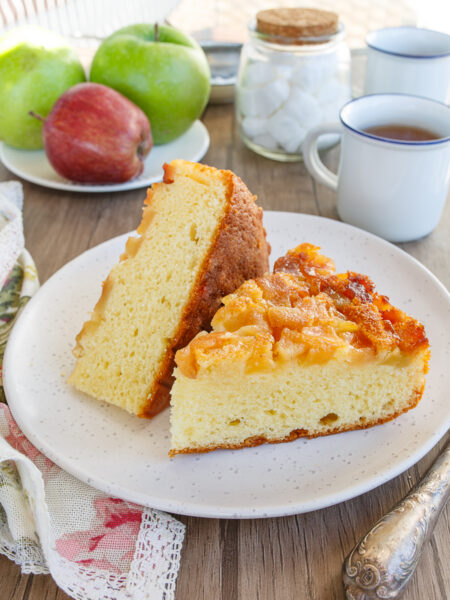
(311, 155)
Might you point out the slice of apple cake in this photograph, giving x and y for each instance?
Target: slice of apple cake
(300, 352)
(201, 236)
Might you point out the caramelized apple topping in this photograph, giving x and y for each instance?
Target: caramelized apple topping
(250, 349)
(303, 311)
(305, 259)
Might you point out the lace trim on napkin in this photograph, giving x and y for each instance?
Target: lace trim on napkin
(152, 574)
(34, 495)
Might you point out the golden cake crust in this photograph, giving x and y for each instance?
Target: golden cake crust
(239, 251)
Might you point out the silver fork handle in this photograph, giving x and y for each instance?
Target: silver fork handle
(382, 563)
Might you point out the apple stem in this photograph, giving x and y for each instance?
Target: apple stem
(35, 115)
(156, 32)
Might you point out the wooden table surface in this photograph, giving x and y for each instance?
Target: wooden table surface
(297, 557)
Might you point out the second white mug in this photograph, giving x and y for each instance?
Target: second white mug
(393, 188)
(408, 60)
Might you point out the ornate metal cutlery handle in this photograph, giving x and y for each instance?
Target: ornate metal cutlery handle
(382, 563)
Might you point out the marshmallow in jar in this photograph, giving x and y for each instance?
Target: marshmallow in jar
(294, 74)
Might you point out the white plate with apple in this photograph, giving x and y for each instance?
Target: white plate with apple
(33, 165)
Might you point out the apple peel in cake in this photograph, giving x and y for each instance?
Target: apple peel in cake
(303, 351)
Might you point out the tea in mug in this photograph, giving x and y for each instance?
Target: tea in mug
(407, 133)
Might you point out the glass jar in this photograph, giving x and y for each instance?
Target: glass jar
(287, 86)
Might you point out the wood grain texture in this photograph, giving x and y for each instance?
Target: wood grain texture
(289, 558)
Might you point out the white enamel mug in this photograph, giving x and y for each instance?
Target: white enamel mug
(393, 188)
(408, 60)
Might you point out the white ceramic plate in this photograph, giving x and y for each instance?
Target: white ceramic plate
(32, 165)
(127, 457)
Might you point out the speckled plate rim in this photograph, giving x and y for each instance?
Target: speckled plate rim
(12, 382)
(192, 145)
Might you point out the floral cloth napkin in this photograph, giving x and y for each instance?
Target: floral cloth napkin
(95, 547)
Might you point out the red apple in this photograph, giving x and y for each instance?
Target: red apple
(93, 134)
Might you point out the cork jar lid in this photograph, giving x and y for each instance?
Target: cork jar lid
(297, 22)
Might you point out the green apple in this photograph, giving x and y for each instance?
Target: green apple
(36, 67)
(167, 77)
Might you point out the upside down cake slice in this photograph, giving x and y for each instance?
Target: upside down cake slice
(300, 352)
(201, 236)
